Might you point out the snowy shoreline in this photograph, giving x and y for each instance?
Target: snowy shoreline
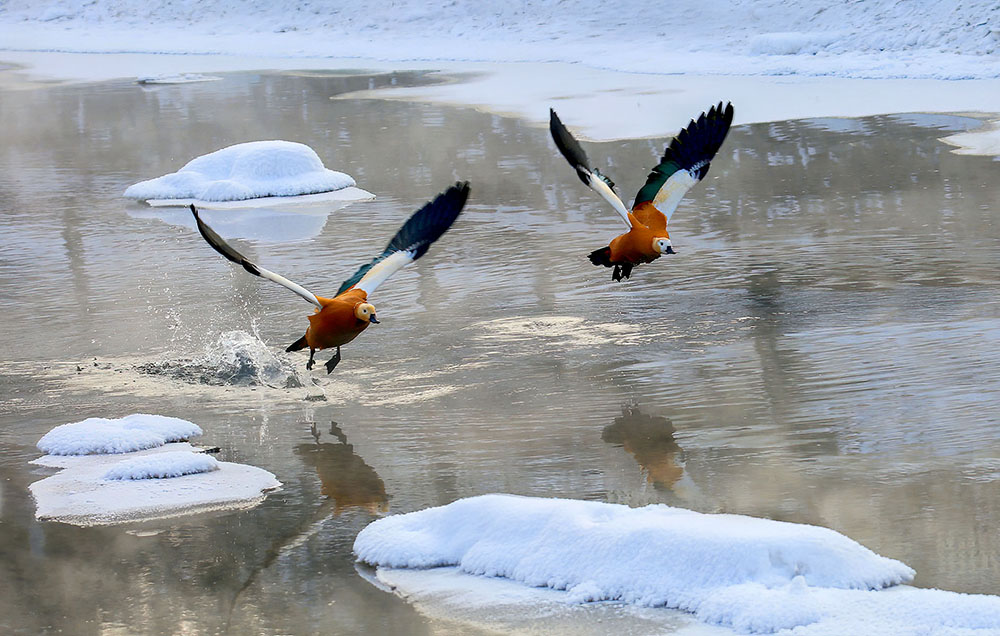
(642, 105)
(775, 60)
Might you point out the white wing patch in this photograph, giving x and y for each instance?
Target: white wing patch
(673, 190)
(379, 273)
(295, 287)
(609, 195)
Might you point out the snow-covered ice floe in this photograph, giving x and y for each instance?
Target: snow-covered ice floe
(136, 468)
(251, 174)
(985, 141)
(753, 575)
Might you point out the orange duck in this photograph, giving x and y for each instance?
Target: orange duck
(340, 319)
(685, 162)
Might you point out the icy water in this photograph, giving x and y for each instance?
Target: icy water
(824, 347)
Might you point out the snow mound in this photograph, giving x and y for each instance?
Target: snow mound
(134, 468)
(755, 575)
(85, 493)
(246, 171)
(97, 435)
(163, 466)
(653, 555)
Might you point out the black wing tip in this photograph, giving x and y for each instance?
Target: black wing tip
(569, 147)
(698, 142)
(421, 230)
(218, 244)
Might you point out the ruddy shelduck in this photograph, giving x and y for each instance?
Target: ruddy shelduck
(685, 162)
(340, 319)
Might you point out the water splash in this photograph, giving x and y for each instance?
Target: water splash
(236, 358)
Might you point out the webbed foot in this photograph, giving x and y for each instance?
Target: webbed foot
(332, 363)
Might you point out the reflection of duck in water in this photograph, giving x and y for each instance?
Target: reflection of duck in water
(650, 439)
(346, 479)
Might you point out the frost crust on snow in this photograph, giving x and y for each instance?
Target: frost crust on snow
(755, 575)
(98, 435)
(129, 469)
(163, 466)
(249, 170)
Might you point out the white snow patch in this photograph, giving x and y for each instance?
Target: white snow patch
(754, 575)
(163, 466)
(245, 171)
(97, 435)
(791, 43)
(83, 494)
(985, 141)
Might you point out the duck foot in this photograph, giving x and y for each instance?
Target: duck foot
(332, 363)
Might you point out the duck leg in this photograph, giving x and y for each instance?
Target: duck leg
(312, 359)
(332, 363)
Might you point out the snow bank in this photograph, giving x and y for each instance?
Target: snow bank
(245, 171)
(751, 574)
(163, 466)
(875, 38)
(97, 435)
(105, 479)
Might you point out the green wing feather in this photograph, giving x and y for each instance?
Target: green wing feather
(692, 149)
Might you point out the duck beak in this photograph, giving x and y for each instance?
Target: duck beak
(670, 250)
(372, 319)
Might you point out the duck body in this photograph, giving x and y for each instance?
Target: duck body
(337, 322)
(641, 244)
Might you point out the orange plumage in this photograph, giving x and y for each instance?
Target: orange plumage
(336, 323)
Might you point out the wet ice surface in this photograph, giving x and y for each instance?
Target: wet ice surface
(823, 348)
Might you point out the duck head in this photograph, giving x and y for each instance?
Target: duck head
(662, 245)
(365, 312)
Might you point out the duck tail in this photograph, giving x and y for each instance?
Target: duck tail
(298, 344)
(601, 257)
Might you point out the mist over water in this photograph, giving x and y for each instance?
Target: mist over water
(824, 347)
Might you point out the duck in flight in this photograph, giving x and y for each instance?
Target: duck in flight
(685, 162)
(340, 319)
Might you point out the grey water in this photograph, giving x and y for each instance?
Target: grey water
(824, 348)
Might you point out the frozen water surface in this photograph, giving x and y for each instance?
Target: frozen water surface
(822, 349)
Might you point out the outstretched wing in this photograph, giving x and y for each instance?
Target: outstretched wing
(570, 148)
(412, 240)
(686, 160)
(231, 254)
